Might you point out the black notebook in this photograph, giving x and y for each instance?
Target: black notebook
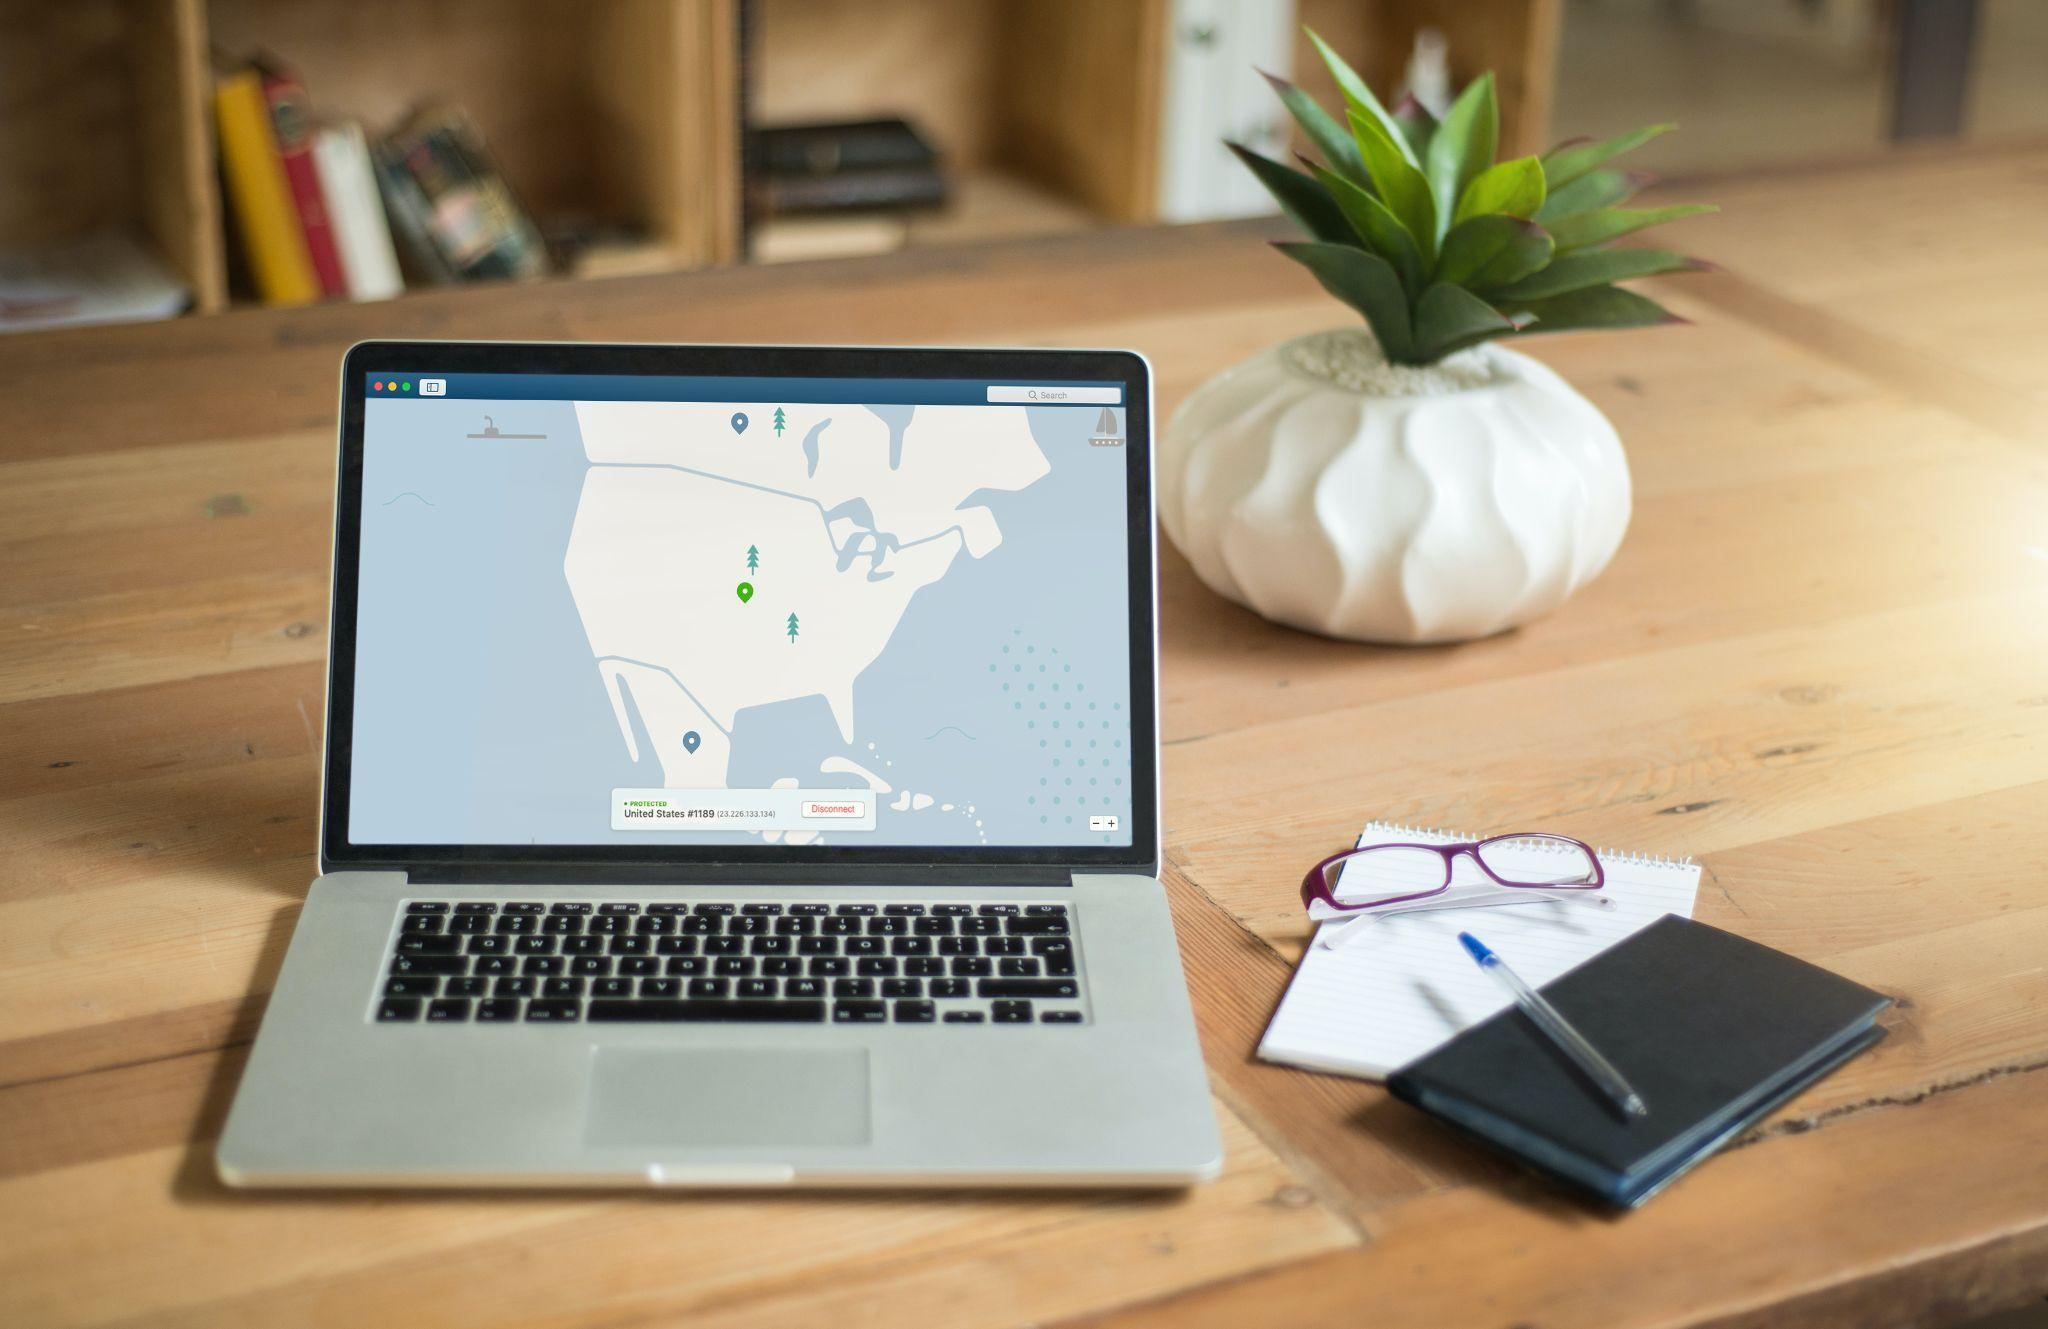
(1712, 1030)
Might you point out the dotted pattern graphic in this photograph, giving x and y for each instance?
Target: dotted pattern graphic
(1083, 743)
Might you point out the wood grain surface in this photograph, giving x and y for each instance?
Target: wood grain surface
(1819, 663)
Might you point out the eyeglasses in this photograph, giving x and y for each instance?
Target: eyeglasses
(1389, 876)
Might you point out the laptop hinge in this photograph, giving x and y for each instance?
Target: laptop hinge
(633, 874)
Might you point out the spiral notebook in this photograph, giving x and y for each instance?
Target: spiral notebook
(1386, 996)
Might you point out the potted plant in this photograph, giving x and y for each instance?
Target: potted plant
(1411, 480)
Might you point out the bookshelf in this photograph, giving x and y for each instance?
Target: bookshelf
(624, 115)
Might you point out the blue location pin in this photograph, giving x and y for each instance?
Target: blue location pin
(739, 422)
(690, 741)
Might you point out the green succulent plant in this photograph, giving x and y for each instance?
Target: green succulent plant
(1439, 246)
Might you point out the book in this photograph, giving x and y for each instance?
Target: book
(450, 205)
(291, 124)
(1713, 1030)
(842, 166)
(105, 278)
(266, 218)
(355, 209)
(1380, 1000)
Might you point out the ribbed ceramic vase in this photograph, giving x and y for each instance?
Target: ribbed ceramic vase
(1324, 489)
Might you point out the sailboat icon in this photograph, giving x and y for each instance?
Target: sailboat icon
(1106, 434)
(490, 431)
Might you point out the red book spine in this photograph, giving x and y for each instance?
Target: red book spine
(292, 122)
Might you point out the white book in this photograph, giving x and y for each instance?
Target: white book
(356, 212)
(1213, 91)
(1373, 994)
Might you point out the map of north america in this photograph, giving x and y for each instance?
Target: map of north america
(732, 555)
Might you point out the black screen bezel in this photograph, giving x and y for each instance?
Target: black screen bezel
(777, 862)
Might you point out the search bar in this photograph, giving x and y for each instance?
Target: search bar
(1050, 396)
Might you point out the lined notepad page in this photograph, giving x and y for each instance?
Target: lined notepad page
(1387, 995)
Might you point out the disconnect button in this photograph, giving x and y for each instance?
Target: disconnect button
(816, 808)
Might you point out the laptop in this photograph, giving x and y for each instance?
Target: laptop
(741, 770)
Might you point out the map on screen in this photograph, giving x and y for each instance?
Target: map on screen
(593, 621)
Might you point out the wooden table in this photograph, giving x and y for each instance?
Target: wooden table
(1820, 663)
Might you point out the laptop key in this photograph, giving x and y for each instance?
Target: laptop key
(734, 966)
(903, 910)
(742, 1012)
(1043, 910)
(708, 988)
(980, 927)
(443, 966)
(1060, 1017)
(584, 945)
(639, 966)
(416, 923)
(913, 945)
(875, 966)
(997, 910)
(476, 907)
(858, 1012)
(1027, 987)
(830, 966)
(755, 987)
(661, 987)
(447, 1010)
(950, 987)
(952, 910)
(1011, 1012)
(591, 966)
(858, 910)
(412, 986)
(804, 987)
(427, 907)
(782, 966)
(1004, 945)
(464, 987)
(686, 966)
(725, 945)
(617, 910)
(902, 987)
(933, 927)
(497, 1010)
(676, 946)
(612, 987)
(1041, 925)
(547, 1012)
(542, 966)
(971, 966)
(494, 965)
(578, 907)
(1020, 968)
(964, 1017)
(764, 910)
(525, 907)
(712, 910)
(914, 1012)
(960, 945)
(562, 925)
(415, 945)
(512, 987)
(625, 944)
(516, 925)
(770, 946)
(817, 946)
(925, 966)
(562, 987)
(840, 927)
(489, 946)
(853, 987)
(468, 925)
(537, 945)
(394, 1010)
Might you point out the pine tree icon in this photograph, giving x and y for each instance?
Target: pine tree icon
(753, 559)
(778, 422)
(792, 629)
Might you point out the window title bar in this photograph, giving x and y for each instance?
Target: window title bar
(653, 387)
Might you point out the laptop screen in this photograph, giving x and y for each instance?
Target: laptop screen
(635, 610)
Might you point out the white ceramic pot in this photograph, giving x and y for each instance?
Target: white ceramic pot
(1323, 488)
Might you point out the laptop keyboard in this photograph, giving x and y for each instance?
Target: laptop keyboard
(532, 962)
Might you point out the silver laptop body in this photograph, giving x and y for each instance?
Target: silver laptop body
(665, 842)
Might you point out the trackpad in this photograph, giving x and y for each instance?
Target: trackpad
(740, 1096)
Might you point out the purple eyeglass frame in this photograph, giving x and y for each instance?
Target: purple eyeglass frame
(1316, 884)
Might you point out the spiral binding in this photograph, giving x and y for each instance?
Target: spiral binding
(1611, 857)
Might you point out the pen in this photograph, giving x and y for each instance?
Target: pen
(1574, 1045)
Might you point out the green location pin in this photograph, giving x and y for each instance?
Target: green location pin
(746, 591)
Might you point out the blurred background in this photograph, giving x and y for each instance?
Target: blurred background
(161, 158)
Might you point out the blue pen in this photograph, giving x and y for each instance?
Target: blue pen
(1574, 1045)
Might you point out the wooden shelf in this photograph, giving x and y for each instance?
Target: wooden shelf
(625, 114)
